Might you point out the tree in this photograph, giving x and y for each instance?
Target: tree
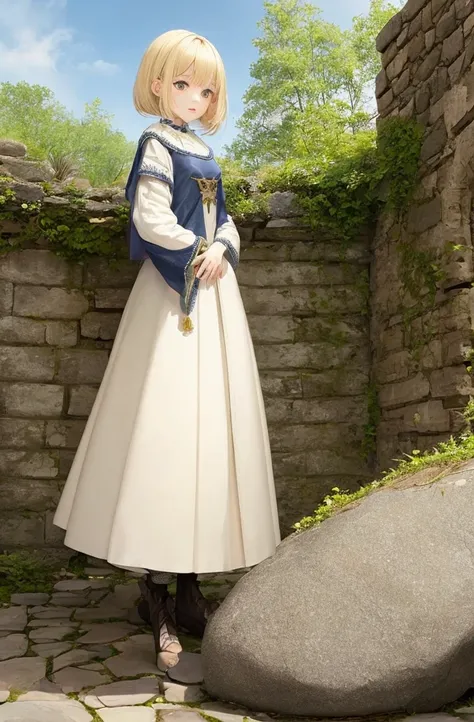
(32, 115)
(309, 82)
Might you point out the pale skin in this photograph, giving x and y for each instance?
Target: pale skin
(190, 102)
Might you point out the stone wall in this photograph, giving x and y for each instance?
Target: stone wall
(422, 342)
(306, 300)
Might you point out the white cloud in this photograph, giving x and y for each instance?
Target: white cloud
(31, 43)
(101, 67)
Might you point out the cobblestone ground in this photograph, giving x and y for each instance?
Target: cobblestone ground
(83, 654)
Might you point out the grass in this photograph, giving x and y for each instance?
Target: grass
(435, 463)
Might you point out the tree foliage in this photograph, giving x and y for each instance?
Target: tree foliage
(311, 83)
(32, 115)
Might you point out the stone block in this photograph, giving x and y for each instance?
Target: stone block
(21, 433)
(286, 230)
(12, 148)
(324, 301)
(468, 25)
(28, 464)
(384, 101)
(283, 205)
(389, 32)
(412, 8)
(434, 142)
(431, 356)
(320, 356)
(53, 535)
(401, 83)
(62, 334)
(28, 495)
(99, 273)
(14, 329)
(267, 251)
(455, 69)
(451, 381)
(402, 39)
(301, 437)
(453, 46)
(39, 267)
(381, 83)
(429, 416)
(415, 28)
(289, 464)
(37, 400)
(357, 252)
(81, 366)
(28, 170)
(337, 461)
(344, 381)
(66, 458)
(254, 273)
(394, 68)
(281, 383)
(337, 410)
(6, 297)
(422, 98)
(20, 363)
(446, 24)
(25, 192)
(437, 6)
(391, 339)
(430, 38)
(64, 433)
(427, 66)
(111, 297)
(389, 54)
(439, 83)
(425, 216)
(100, 325)
(81, 400)
(42, 302)
(456, 346)
(463, 9)
(18, 530)
(403, 392)
(272, 329)
(426, 19)
(394, 367)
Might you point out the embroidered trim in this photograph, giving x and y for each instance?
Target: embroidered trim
(191, 283)
(231, 253)
(169, 144)
(152, 170)
(208, 190)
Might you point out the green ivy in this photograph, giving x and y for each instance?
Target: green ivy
(22, 572)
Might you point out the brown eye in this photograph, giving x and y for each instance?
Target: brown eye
(180, 84)
(207, 93)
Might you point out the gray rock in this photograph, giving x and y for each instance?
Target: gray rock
(183, 693)
(75, 656)
(188, 670)
(51, 650)
(102, 633)
(30, 598)
(22, 673)
(72, 585)
(127, 692)
(43, 691)
(4, 695)
(138, 657)
(12, 148)
(295, 637)
(35, 623)
(224, 713)
(97, 613)
(128, 714)
(72, 679)
(13, 619)
(44, 711)
(26, 170)
(90, 700)
(15, 645)
(66, 599)
(94, 667)
(125, 595)
(52, 613)
(50, 634)
(283, 205)
(101, 651)
(180, 715)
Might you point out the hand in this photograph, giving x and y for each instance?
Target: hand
(210, 263)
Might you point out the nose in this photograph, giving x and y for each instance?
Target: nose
(195, 96)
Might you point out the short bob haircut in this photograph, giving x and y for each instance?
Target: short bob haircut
(170, 55)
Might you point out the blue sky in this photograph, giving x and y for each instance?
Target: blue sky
(84, 49)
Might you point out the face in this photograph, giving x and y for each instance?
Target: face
(188, 101)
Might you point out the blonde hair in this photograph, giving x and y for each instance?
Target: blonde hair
(170, 55)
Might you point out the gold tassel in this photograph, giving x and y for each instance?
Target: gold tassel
(187, 324)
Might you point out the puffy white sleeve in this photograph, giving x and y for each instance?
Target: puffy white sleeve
(152, 214)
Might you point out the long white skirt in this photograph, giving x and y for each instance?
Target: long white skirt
(174, 471)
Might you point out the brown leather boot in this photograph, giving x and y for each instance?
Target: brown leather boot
(157, 606)
(192, 608)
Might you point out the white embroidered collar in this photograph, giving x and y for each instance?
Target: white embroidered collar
(187, 143)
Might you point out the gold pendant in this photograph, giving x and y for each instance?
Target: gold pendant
(187, 326)
(208, 188)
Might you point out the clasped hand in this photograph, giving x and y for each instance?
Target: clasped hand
(210, 263)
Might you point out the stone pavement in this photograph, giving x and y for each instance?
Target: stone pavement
(83, 654)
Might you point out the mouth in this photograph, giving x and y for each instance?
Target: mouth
(193, 110)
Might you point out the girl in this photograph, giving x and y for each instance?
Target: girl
(173, 472)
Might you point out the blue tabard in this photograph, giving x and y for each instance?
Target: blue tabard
(187, 205)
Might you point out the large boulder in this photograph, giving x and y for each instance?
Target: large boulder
(370, 612)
